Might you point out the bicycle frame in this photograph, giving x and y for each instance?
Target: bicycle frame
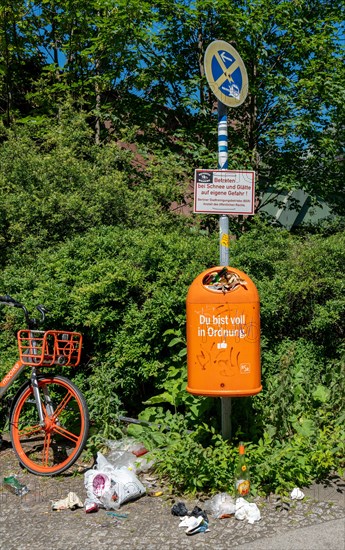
(17, 368)
(19, 365)
(10, 377)
(28, 357)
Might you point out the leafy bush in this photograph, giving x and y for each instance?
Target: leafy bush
(190, 461)
(201, 460)
(294, 427)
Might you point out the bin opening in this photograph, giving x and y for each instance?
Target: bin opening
(223, 280)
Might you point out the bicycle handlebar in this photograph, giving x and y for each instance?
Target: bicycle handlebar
(9, 301)
(32, 323)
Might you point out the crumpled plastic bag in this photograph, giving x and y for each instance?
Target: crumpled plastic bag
(72, 501)
(128, 444)
(221, 506)
(129, 453)
(247, 510)
(109, 487)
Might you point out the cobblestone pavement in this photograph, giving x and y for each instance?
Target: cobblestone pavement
(29, 522)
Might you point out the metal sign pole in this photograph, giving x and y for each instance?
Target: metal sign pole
(228, 79)
(223, 164)
(224, 241)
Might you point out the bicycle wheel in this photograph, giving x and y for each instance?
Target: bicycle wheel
(52, 448)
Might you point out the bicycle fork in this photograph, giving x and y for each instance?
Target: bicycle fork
(47, 400)
(36, 392)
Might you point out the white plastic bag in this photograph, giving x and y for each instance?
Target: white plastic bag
(221, 505)
(110, 487)
(128, 444)
(129, 453)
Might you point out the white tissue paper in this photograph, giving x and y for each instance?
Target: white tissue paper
(296, 494)
(247, 510)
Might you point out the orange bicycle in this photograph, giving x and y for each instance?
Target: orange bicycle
(49, 419)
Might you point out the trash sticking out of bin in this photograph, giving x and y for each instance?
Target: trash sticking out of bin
(223, 281)
(223, 334)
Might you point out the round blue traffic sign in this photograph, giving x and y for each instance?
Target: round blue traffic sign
(226, 73)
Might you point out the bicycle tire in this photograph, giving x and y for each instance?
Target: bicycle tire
(52, 449)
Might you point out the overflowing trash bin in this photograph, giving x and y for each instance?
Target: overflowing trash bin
(223, 334)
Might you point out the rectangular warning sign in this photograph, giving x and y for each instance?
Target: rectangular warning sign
(224, 192)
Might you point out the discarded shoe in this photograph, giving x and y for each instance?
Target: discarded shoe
(193, 523)
(199, 512)
(201, 528)
(188, 521)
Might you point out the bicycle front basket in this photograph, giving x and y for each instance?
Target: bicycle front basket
(32, 347)
(52, 347)
(66, 346)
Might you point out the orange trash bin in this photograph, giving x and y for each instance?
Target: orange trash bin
(223, 334)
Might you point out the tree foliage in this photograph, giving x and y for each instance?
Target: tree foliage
(131, 64)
